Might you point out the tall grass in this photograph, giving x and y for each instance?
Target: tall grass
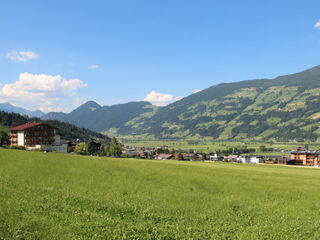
(56, 196)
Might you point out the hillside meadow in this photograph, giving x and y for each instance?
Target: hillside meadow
(57, 196)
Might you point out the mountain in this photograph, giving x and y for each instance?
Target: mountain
(103, 118)
(284, 108)
(67, 130)
(53, 115)
(7, 107)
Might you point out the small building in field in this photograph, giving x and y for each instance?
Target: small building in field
(244, 159)
(192, 156)
(256, 159)
(213, 156)
(277, 160)
(35, 135)
(232, 158)
(250, 159)
(163, 156)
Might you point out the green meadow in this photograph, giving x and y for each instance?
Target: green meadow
(58, 196)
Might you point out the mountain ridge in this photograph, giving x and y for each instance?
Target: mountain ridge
(283, 108)
(8, 107)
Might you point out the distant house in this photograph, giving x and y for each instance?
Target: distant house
(244, 159)
(250, 159)
(256, 159)
(305, 157)
(192, 156)
(137, 152)
(34, 135)
(213, 157)
(232, 158)
(283, 160)
(163, 156)
(277, 159)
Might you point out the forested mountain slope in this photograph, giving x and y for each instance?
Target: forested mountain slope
(68, 131)
(284, 108)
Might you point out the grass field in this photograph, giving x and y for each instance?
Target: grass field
(56, 196)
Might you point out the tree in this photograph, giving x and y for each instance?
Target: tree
(262, 148)
(115, 148)
(82, 149)
(4, 138)
(91, 149)
(180, 156)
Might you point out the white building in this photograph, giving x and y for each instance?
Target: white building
(256, 159)
(244, 159)
(35, 135)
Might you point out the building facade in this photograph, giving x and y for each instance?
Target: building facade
(306, 157)
(34, 134)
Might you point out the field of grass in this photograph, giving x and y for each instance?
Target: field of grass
(57, 196)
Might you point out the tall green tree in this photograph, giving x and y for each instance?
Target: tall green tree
(115, 148)
(82, 149)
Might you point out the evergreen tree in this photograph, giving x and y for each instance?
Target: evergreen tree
(115, 148)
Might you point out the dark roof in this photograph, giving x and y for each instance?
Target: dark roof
(27, 126)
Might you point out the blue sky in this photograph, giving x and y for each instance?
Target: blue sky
(58, 54)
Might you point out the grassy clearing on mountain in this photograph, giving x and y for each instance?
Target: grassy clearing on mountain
(56, 196)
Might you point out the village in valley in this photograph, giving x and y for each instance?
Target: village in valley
(43, 137)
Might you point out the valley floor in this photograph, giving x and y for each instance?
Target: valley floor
(59, 196)
(280, 148)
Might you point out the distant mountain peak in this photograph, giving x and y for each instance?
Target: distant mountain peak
(8, 107)
(90, 104)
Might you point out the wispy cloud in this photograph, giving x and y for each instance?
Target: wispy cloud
(317, 25)
(93, 66)
(160, 99)
(197, 90)
(41, 91)
(22, 56)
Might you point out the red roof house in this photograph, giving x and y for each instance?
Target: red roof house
(33, 134)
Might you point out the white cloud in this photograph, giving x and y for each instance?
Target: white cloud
(160, 99)
(93, 66)
(317, 25)
(41, 91)
(197, 90)
(22, 56)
